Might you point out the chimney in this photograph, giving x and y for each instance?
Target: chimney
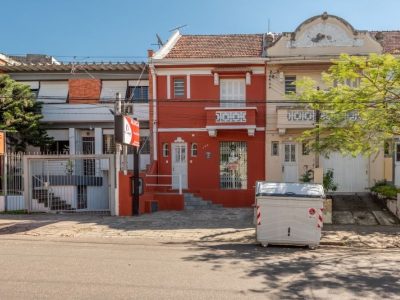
(150, 53)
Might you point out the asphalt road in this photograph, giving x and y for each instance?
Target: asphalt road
(118, 269)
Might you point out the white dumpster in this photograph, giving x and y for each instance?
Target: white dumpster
(289, 213)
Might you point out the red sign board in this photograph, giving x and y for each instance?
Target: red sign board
(127, 131)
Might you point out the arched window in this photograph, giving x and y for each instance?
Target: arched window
(193, 150)
(165, 150)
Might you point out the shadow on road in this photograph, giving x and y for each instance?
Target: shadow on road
(322, 272)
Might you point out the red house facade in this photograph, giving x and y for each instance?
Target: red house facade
(207, 115)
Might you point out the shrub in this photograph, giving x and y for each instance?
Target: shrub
(388, 190)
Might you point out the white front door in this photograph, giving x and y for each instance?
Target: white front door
(179, 165)
(233, 92)
(349, 173)
(289, 166)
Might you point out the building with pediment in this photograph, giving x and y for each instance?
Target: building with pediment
(307, 52)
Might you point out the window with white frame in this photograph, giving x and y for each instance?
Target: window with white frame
(290, 86)
(233, 92)
(179, 87)
(165, 150)
(274, 148)
(193, 150)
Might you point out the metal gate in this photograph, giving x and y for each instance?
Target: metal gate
(63, 183)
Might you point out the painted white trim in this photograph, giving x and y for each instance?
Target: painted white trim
(181, 129)
(168, 87)
(180, 71)
(199, 71)
(206, 129)
(160, 54)
(138, 82)
(188, 86)
(153, 73)
(207, 61)
(231, 108)
(231, 127)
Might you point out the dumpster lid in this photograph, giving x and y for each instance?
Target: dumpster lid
(309, 190)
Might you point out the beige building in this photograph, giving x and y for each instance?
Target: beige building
(308, 51)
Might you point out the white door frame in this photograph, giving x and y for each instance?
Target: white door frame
(180, 168)
(290, 165)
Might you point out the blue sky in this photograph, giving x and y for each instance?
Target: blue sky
(124, 29)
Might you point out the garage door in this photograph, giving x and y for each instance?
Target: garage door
(350, 173)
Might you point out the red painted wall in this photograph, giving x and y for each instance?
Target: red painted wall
(204, 172)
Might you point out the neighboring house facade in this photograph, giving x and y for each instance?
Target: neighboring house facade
(79, 101)
(307, 52)
(208, 114)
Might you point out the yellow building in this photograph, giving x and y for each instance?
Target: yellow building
(308, 51)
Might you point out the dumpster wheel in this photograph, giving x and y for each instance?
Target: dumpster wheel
(265, 245)
(312, 247)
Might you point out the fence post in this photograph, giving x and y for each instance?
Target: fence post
(180, 184)
(5, 178)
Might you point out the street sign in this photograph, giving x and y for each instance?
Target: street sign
(127, 131)
(2, 142)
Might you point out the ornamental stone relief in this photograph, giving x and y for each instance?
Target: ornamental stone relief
(325, 35)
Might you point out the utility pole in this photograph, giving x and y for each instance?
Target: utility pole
(317, 120)
(135, 206)
(117, 110)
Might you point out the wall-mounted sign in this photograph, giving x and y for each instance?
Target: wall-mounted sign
(2, 142)
(230, 117)
(127, 131)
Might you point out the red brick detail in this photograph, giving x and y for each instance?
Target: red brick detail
(84, 90)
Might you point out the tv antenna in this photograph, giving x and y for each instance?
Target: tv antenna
(177, 28)
(160, 42)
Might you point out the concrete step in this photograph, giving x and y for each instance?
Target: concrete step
(193, 202)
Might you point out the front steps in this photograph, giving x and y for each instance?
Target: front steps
(193, 202)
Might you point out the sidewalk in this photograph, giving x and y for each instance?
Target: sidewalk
(222, 225)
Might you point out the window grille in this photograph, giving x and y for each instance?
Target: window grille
(179, 87)
(274, 148)
(290, 86)
(233, 165)
(165, 150)
(193, 150)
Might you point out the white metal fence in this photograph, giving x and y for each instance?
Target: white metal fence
(69, 183)
(52, 183)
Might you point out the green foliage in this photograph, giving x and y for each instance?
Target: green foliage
(386, 189)
(20, 115)
(328, 183)
(307, 177)
(368, 87)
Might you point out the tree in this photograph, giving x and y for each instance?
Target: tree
(359, 106)
(20, 115)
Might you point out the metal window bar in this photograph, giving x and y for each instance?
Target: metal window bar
(233, 165)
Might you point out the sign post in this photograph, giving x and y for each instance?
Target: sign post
(127, 133)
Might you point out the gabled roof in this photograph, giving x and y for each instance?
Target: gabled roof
(217, 46)
(390, 40)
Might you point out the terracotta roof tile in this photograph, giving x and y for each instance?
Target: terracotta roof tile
(217, 46)
(390, 40)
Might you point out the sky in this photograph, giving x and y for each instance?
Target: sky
(122, 30)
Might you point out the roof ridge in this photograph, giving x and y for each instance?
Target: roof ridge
(224, 34)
